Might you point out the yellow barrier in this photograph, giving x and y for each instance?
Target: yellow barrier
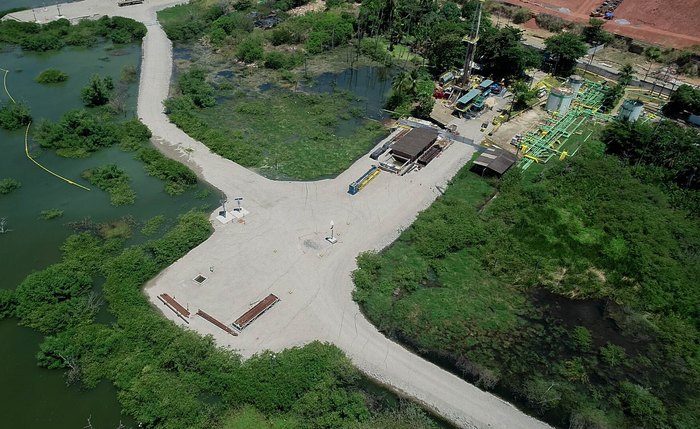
(26, 151)
(26, 140)
(4, 83)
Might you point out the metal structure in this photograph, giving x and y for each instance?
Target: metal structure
(223, 206)
(631, 110)
(575, 82)
(360, 183)
(239, 208)
(471, 40)
(559, 100)
(548, 140)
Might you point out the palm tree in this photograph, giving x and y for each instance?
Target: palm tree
(405, 83)
(652, 54)
(626, 75)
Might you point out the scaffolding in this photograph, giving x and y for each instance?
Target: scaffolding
(549, 139)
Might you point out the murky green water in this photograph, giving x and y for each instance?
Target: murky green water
(32, 397)
(9, 4)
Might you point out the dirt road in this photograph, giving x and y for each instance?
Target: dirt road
(281, 249)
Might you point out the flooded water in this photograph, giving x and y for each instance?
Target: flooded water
(370, 85)
(9, 4)
(30, 396)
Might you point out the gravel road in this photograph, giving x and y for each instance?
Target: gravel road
(281, 249)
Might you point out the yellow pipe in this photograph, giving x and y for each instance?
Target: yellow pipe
(26, 151)
(4, 83)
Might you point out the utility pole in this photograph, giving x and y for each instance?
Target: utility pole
(471, 40)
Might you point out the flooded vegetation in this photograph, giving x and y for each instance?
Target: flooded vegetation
(45, 210)
(311, 129)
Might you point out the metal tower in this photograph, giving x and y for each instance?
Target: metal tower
(470, 40)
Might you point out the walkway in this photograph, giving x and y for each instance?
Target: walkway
(281, 249)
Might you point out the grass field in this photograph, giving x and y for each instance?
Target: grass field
(285, 134)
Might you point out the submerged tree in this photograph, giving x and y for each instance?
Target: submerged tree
(98, 91)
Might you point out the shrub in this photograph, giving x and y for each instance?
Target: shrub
(178, 178)
(250, 49)
(14, 116)
(128, 74)
(646, 408)
(275, 60)
(550, 22)
(280, 36)
(51, 76)
(8, 185)
(193, 84)
(114, 180)
(279, 60)
(522, 15)
(50, 214)
(77, 134)
(7, 303)
(98, 91)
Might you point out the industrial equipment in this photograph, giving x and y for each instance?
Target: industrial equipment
(360, 183)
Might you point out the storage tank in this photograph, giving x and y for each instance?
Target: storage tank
(575, 81)
(559, 100)
(631, 110)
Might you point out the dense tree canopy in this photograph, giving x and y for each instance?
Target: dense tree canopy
(685, 98)
(502, 54)
(565, 49)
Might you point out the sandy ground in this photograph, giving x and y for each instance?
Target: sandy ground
(664, 22)
(281, 249)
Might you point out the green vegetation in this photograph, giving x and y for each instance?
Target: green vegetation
(50, 214)
(518, 14)
(14, 115)
(98, 91)
(550, 22)
(60, 33)
(594, 33)
(193, 85)
(300, 143)
(575, 290)
(128, 74)
(114, 180)
(177, 177)
(172, 378)
(506, 57)
(8, 185)
(79, 133)
(684, 99)
(153, 225)
(49, 76)
(190, 21)
(565, 49)
(412, 94)
(615, 91)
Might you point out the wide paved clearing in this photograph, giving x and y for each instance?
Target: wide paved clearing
(281, 249)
